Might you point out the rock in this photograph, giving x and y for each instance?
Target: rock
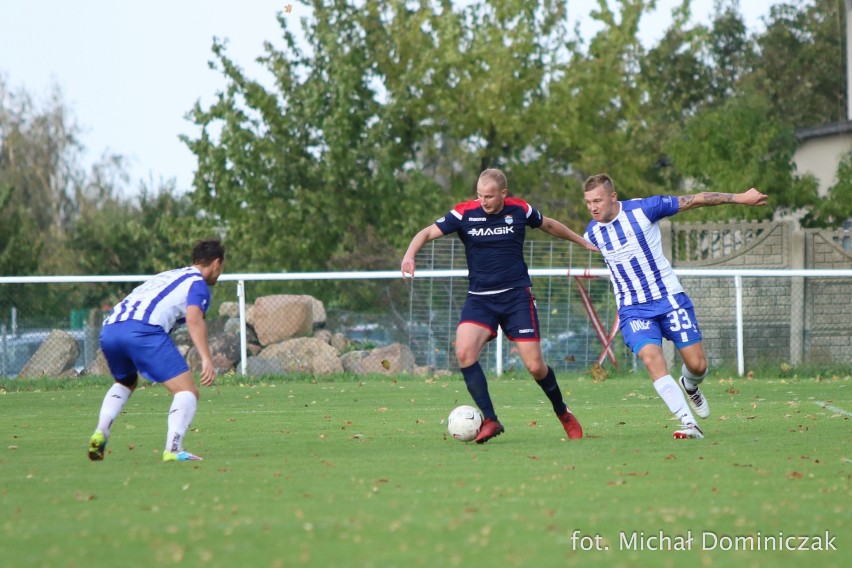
(55, 357)
(304, 355)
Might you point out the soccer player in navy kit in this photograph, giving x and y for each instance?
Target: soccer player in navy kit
(651, 302)
(135, 340)
(492, 228)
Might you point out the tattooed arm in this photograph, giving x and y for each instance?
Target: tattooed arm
(709, 198)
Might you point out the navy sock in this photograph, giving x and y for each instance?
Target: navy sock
(551, 388)
(477, 386)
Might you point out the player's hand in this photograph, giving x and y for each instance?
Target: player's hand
(407, 268)
(208, 373)
(591, 247)
(754, 197)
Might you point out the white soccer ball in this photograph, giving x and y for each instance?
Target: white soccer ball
(464, 423)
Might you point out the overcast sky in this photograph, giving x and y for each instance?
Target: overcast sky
(130, 71)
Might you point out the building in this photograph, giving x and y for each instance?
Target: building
(821, 148)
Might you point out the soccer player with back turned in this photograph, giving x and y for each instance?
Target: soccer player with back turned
(492, 229)
(651, 302)
(135, 340)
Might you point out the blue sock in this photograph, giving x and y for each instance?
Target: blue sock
(551, 388)
(477, 386)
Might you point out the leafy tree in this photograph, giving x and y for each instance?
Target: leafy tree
(836, 208)
(151, 234)
(55, 218)
(801, 66)
(389, 94)
(738, 145)
(38, 153)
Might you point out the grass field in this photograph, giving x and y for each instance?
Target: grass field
(360, 472)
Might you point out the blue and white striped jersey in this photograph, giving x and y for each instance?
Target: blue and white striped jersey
(162, 300)
(632, 249)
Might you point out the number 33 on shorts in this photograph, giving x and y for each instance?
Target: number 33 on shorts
(682, 326)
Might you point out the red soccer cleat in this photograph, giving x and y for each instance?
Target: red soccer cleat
(571, 425)
(491, 428)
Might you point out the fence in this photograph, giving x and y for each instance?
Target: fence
(749, 317)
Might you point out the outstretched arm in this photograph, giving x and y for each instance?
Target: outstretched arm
(560, 231)
(425, 235)
(710, 198)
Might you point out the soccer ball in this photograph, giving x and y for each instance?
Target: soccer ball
(464, 423)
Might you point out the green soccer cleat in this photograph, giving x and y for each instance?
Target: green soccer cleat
(97, 445)
(179, 456)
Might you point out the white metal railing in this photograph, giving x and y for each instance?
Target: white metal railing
(736, 274)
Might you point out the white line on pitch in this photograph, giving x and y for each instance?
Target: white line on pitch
(834, 409)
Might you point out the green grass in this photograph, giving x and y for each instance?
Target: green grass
(360, 472)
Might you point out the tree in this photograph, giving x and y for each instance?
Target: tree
(836, 208)
(38, 152)
(56, 218)
(801, 65)
(738, 145)
(388, 94)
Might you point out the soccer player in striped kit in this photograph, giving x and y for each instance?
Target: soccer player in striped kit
(492, 228)
(651, 302)
(135, 340)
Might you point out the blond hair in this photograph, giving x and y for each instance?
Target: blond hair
(599, 179)
(495, 176)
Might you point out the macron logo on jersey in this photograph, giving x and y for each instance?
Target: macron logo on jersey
(488, 232)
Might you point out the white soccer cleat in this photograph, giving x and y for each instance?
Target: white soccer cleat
(688, 431)
(696, 400)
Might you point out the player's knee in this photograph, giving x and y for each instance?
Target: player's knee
(697, 370)
(466, 357)
(651, 356)
(129, 381)
(538, 369)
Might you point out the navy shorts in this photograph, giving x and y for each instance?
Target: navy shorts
(678, 325)
(514, 310)
(132, 346)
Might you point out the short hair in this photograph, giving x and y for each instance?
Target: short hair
(206, 251)
(599, 179)
(495, 176)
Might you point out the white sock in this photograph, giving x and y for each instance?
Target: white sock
(181, 414)
(691, 380)
(674, 399)
(114, 401)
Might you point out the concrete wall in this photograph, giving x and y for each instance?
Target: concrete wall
(799, 320)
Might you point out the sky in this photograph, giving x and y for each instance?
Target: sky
(129, 72)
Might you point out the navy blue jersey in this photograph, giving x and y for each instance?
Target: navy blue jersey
(493, 244)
